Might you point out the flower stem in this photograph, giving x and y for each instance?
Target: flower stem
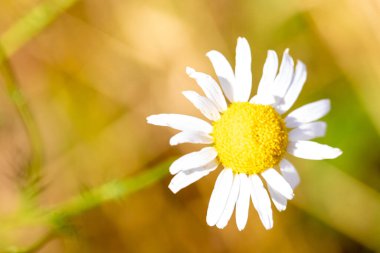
(110, 191)
(35, 246)
(11, 40)
(32, 24)
(33, 172)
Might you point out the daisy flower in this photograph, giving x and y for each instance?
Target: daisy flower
(249, 137)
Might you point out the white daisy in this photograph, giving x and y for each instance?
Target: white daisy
(250, 138)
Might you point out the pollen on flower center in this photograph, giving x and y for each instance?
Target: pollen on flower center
(250, 138)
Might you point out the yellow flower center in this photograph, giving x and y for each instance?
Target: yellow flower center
(250, 138)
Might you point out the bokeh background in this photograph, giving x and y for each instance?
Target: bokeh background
(100, 67)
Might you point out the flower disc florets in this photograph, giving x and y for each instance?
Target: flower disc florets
(250, 138)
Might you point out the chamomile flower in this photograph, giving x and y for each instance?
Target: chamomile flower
(249, 137)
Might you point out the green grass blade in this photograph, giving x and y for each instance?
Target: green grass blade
(32, 24)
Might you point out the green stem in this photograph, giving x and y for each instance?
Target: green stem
(32, 24)
(110, 191)
(40, 243)
(11, 40)
(35, 246)
(93, 198)
(34, 169)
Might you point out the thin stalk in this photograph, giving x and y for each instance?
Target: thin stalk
(109, 191)
(32, 24)
(40, 243)
(22, 31)
(35, 247)
(33, 172)
(93, 198)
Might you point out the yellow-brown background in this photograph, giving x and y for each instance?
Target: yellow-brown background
(95, 73)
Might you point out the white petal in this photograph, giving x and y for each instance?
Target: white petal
(185, 178)
(224, 72)
(193, 160)
(209, 87)
(219, 196)
(278, 200)
(180, 122)
(308, 113)
(242, 204)
(295, 87)
(203, 104)
(308, 131)
(261, 201)
(284, 77)
(263, 100)
(191, 137)
(289, 173)
(278, 183)
(243, 74)
(231, 201)
(312, 150)
(269, 73)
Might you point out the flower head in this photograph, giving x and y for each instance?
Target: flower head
(249, 138)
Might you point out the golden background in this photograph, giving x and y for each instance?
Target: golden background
(94, 73)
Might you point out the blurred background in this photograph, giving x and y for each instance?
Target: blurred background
(99, 68)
